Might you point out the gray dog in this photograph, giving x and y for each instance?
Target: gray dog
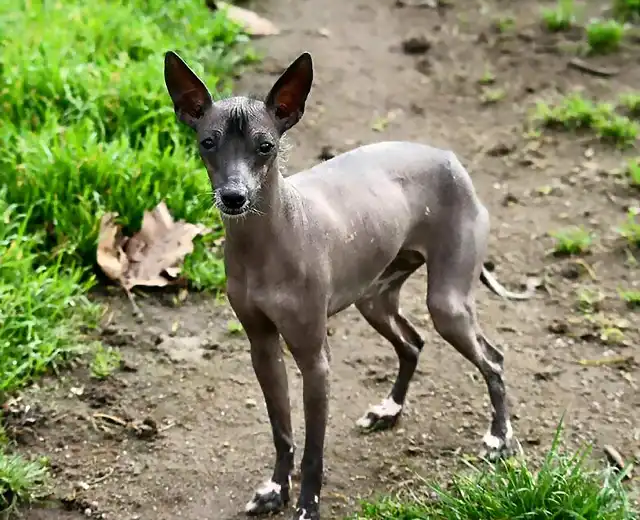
(348, 231)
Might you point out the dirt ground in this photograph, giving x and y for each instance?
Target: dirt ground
(182, 431)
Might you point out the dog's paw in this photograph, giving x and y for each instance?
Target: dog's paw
(383, 416)
(309, 513)
(269, 498)
(494, 448)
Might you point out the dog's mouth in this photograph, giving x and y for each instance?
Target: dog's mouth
(233, 212)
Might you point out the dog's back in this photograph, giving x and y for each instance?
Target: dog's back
(382, 200)
(383, 180)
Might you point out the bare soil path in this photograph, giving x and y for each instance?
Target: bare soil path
(196, 440)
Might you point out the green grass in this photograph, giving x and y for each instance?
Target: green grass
(86, 124)
(561, 17)
(588, 300)
(491, 96)
(631, 298)
(604, 36)
(575, 112)
(44, 312)
(43, 305)
(487, 78)
(631, 103)
(630, 229)
(105, 362)
(567, 486)
(21, 481)
(627, 10)
(86, 127)
(633, 172)
(103, 60)
(68, 177)
(571, 241)
(234, 327)
(504, 24)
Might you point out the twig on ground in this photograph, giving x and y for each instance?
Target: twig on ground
(587, 268)
(102, 478)
(166, 427)
(110, 418)
(137, 312)
(583, 66)
(615, 459)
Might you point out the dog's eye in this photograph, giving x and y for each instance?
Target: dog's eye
(265, 147)
(208, 143)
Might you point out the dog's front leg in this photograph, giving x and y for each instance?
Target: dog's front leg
(268, 364)
(312, 359)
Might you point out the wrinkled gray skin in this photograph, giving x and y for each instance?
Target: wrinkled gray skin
(348, 231)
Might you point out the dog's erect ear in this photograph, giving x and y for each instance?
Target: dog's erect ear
(288, 95)
(189, 94)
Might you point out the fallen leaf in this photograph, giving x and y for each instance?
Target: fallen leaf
(173, 272)
(151, 257)
(252, 23)
(110, 256)
(380, 124)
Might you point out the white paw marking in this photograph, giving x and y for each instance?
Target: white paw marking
(491, 441)
(364, 422)
(265, 489)
(496, 443)
(509, 434)
(388, 408)
(251, 506)
(303, 515)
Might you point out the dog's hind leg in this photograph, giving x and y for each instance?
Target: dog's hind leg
(380, 308)
(453, 268)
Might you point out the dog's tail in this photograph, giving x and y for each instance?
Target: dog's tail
(497, 288)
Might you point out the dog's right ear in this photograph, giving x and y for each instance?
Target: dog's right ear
(189, 94)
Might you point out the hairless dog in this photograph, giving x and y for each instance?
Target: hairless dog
(350, 230)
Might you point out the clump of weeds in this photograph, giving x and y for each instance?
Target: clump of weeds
(604, 36)
(561, 17)
(571, 241)
(577, 113)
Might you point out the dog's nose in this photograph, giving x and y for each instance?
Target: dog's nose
(233, 199)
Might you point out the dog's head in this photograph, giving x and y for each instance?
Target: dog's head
(239, 137)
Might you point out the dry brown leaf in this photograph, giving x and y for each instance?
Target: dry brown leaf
(173, 272)
(151, 257)
(252, 23)
(110, 256)
(155, 223)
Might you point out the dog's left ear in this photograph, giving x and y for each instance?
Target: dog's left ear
(288, 95)
(189, 94)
